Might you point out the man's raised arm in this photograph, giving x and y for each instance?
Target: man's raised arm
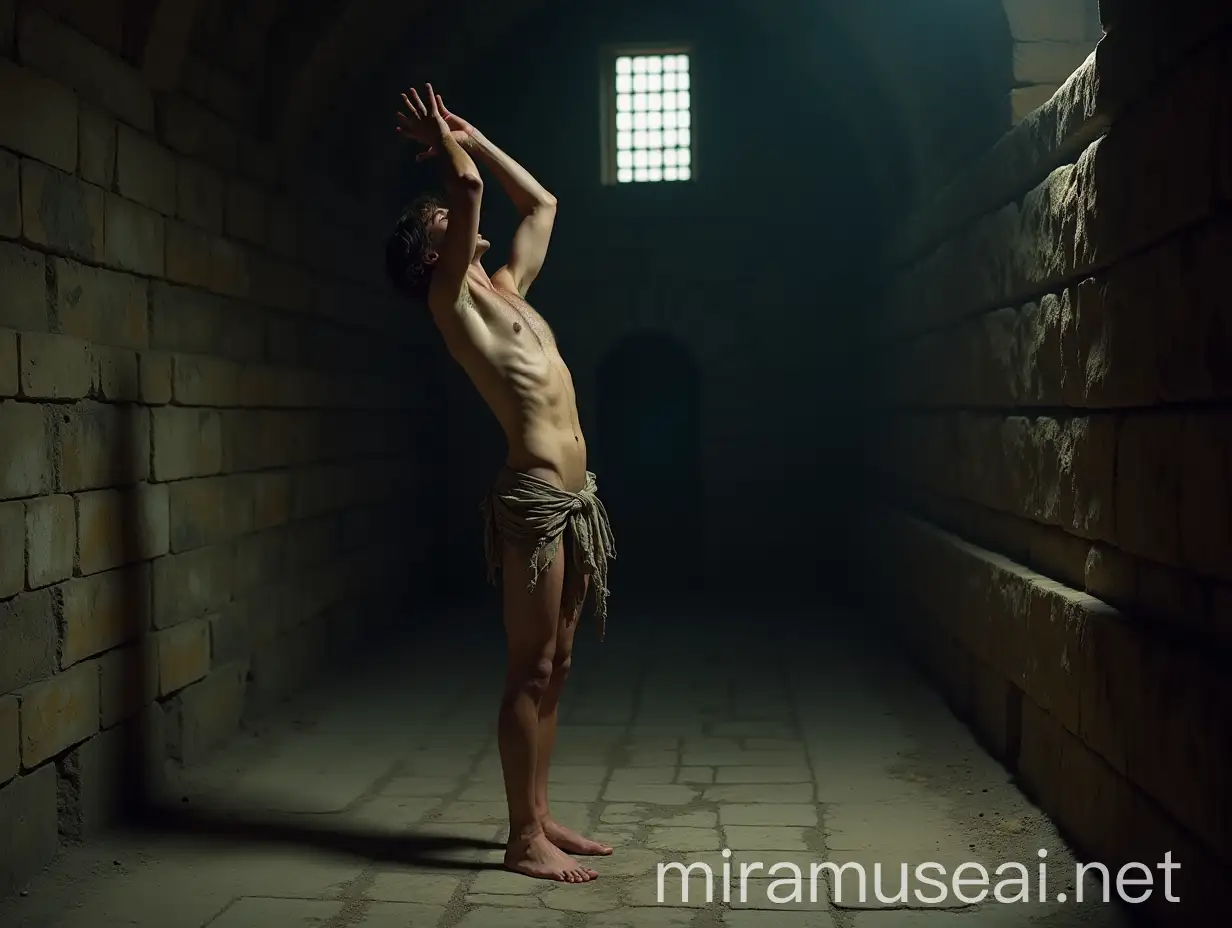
(536, 206)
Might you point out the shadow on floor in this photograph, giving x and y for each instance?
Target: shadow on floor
(404, 847)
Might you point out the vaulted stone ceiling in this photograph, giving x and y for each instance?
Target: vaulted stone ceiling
(308, 60)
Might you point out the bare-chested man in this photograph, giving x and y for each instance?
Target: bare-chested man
(547, 533)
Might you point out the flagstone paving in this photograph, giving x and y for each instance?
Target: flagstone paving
(376, 801)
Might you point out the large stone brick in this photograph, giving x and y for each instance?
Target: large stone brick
(9, 371)
(1148, 478)
(12, 548)
(190, 129)
(56, 367)
(38, 117)
(10, 751)
(1108, 342)
(95, 73)
(30, 635)
(118, 527)
(187, 443)
(61, 212)
(57, 713)
(29, 823)
(154, 378)
(192, 584)
(50, 540)
(129, 681)
(104, 610)
(10, 196)
(23, 301)
(1205, 489)
(183, 655)
(229, 273)
(210, 510)
(1042, 20)
(101, 445)
(203, 381)
(101, 306)
(207, 714)
(96, 147)
(1185, 281)
(135, 237)
(25, 465)
(192, 322)
(116, 376)
(246, 213)
(145, 171)
(188, 254)
(272, 500)
(200, 195)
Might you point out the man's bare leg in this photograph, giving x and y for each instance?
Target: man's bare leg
(564, 838)
(531, 624)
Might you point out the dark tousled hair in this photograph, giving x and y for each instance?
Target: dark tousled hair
(408, 245)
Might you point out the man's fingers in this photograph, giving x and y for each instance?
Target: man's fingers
(440, 102)
(416, 104)
(425, 155)
(433, 97)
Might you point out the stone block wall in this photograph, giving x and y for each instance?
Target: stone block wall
(204, 440)
(1054, 447)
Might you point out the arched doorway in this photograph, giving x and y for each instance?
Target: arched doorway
(649, 449)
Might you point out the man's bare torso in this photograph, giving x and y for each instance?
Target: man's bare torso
(512, 358)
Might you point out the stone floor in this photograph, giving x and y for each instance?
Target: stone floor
(376, 801)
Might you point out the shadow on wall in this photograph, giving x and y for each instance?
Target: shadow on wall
(648, 458)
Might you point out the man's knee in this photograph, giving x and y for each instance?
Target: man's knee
(531, 678)
(560, 667)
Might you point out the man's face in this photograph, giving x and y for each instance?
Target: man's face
(438, 222)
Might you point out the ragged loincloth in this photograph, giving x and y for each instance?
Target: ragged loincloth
(532, 514)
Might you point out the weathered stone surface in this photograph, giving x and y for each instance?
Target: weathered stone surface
(96, 146)
(210, 510)
(104, 610)
(145, 171)
(10, 196)
(10, 752)
(101, 306)
(187, 443)
(28, 820)
(1205, 491)
(97, 74)
(1151, 710)
(25, 465)
(1148, 478)
(23, 303)
(135, 237)
(183, 655)
(56, 367)
(206, 714)
(61, 212)
(192, 584)
(102, 445)
(57, 713)
(12, 548)
(38, 117)
(50, 540)
(117, 527)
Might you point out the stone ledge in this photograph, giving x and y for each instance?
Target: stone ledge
(1150, 709)
(1123, 66)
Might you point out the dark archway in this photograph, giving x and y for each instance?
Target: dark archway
(649, 450)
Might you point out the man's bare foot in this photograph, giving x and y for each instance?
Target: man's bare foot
(539, 858)
(570, 841)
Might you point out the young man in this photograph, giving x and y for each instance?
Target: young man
(546, 531)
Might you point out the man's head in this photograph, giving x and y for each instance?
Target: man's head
(413, 248)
